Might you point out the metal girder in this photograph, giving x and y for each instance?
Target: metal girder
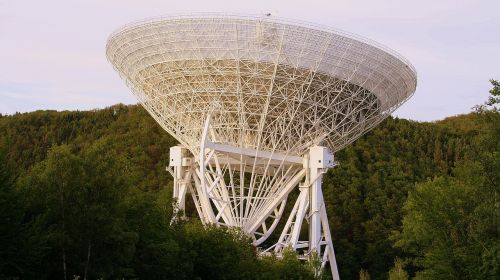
(254, 102)
(257, 204)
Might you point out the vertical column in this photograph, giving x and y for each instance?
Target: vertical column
(315, 204)
(180, 162)
(320, 159)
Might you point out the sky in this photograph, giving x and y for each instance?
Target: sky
(52, 53)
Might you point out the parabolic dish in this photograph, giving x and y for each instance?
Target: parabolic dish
(268, 84)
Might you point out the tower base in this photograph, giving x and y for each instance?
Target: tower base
(247, 188)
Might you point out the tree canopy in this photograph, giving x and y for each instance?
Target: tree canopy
(450, 225)
(86, 194)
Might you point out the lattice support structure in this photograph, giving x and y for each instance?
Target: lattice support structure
(311, 207)
(222, 197)
(252, 101)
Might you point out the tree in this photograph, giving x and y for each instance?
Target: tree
(79, 200)
(450, 226)
(22, 242)
(398, 272)
(288, 267)
(215, 250)
(493, 99)
(364, 275)
(364, 194)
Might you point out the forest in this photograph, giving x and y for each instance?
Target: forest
(85, 195)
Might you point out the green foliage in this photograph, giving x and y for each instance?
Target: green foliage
(131, 133)
(22, 243)
(364, 275)
(366, 192)
(289, 267)
(79, 200)
(450, 226)
(398, 272)
(105, 170)
(91, 222)
(494, 97)
(314, 264)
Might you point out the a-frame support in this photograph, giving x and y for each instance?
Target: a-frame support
(310, 206)
(213, 202)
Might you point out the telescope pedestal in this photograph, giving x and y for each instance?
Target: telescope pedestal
(224, 197)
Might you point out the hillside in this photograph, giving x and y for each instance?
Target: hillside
(365, 194)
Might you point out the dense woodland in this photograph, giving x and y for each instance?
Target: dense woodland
(86, 195)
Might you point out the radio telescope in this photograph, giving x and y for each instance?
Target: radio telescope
(259, 105)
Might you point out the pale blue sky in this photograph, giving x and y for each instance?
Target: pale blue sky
(52, 52)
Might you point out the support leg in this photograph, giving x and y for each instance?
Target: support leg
(290, 234)
(310, 206)
(320, 240)
(180, 163)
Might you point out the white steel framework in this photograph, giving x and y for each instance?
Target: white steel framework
(258, 106)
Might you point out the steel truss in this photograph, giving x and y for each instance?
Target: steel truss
(245, 188)
(270, 84)
(253, 101)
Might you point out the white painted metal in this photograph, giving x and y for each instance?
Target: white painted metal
(311, 207)
(258, 105)
(181, 162)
